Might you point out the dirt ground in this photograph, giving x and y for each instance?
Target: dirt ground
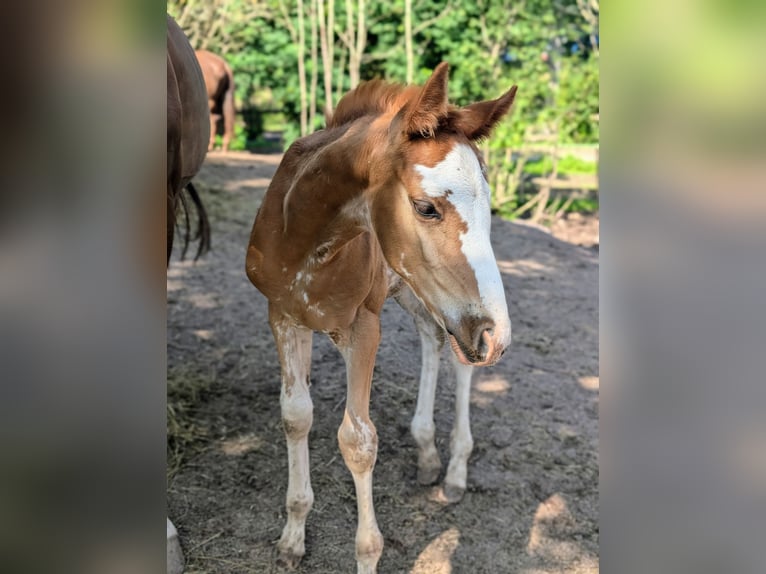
(532, 501)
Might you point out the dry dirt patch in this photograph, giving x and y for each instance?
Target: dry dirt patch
(532, 500)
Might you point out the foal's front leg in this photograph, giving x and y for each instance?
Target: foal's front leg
(422, 427)
(294, 346)
(461, 443)
(357, 437)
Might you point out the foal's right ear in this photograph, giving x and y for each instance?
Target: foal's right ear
(477, 120)
(423, 114)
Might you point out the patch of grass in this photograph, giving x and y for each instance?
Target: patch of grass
(568, 165)
(583, 205)
(186, 435)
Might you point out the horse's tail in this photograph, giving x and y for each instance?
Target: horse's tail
(228, 110)
(203, 225)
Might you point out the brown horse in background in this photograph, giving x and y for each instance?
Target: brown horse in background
(188, 133)
(219, 81)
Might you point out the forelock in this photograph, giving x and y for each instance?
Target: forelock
(460, 171)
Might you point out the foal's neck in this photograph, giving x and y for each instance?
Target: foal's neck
(336, 177)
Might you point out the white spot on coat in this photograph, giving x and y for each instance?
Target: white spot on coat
(405, 272)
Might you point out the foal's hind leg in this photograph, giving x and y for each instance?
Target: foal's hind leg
(461, 443)
(294, 346)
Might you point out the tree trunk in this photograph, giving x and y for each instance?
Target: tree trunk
(350, 41)
(355, 39)
(361, 38)
(314, 66)
(341, 71)
(408, 41)
(326, 45)
(302, 68)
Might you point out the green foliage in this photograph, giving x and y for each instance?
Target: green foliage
(292, 132)
(578, 100)
(583, 205)
(568, 165)
(238, 142)
(543, 46)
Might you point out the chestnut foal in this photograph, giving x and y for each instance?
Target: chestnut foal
(390, 199)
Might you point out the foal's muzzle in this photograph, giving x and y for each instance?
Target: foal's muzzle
(476, 342)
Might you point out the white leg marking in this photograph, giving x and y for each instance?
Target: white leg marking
(300, 496)
(369, 541)
(359, 445)
(357, 437)
(461, 444)
(297, 417)
(422, 427)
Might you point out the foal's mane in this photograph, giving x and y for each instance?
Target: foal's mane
(377, 97)
(373, 97)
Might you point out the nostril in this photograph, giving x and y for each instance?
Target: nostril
(483, 339)
(483, 346)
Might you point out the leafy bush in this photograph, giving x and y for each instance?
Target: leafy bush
(548, 48)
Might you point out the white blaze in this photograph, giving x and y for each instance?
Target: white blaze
(460, 173)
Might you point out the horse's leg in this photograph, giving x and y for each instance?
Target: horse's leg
(213, 130)
(294, 346)
(422, 426)
(228, 112)
(357, 437)
(461, 443)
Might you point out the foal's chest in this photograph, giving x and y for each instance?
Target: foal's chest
(325, 292)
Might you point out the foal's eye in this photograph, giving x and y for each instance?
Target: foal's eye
(426, 209)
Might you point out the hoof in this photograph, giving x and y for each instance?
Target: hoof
(288, 559)
(428, 476)
(452, 493)
(175, 556)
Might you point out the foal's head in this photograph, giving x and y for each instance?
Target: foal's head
(432, 217)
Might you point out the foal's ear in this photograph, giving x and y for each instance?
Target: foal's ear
(423, 114)
(477, 120)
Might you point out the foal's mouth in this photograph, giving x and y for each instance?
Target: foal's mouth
(473, 357)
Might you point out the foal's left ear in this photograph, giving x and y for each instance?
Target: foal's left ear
(477, 120)
(423, 115)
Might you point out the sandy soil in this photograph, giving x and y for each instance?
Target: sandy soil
(532, 500)
(578, 228)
